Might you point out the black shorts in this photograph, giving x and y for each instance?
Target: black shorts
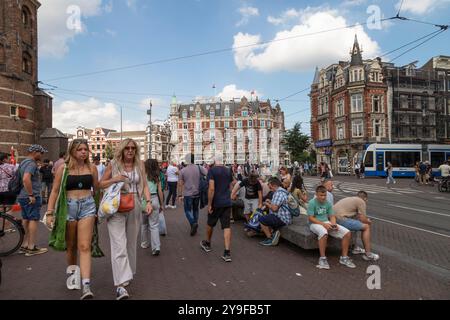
(220, 213)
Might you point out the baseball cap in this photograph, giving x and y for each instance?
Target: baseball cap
(37, 148)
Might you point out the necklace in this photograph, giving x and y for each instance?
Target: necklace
(80, 184)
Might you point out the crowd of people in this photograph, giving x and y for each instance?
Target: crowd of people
(72, 187)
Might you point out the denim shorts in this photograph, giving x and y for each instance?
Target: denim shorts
(31, 211)
(351, 224)
(78, 209)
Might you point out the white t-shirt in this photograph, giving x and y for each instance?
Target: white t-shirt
(171, 174)
(445, 170)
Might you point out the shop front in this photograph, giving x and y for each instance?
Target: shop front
(324, 151)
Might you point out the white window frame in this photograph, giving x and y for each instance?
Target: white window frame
(355, 106)
(340, 108)
(244, 113)
(380, 103)
(226, 124)
(358, 128)
(262, 123)
(212, 125)
(239, 124)
(226, 112)
(340, 131)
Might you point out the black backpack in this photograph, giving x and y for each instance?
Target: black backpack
(203, 189)
(16, 182)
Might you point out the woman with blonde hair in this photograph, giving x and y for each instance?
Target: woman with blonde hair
(72, 197)
(123, 227)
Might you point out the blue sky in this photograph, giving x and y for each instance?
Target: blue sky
(117, 33)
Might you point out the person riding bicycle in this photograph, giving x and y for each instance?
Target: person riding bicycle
(445, 171)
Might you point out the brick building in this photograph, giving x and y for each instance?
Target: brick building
(349, 109)
(242, 131)
(25, 110)
(97, 139)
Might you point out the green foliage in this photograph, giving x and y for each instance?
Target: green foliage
(297, 143)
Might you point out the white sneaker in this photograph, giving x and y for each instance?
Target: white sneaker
(144, 245)
(166, 206)
(347, 262)
(358, 250)
(173, 207)
(323, 264)
(370, 256)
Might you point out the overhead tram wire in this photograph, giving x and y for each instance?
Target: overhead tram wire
(208, 52)
(440, 32)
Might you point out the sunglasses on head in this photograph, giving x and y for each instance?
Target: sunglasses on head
(80, 141)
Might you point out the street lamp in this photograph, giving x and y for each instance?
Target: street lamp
(149, 131)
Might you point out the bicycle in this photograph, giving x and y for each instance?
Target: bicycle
(11, 229)
(444, 184)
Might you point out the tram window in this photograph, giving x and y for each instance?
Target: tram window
(437, 158)
(368, 161)
(402, 159)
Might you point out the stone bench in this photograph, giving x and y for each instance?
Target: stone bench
(299, 234)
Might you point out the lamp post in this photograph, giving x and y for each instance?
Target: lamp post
(149, 131)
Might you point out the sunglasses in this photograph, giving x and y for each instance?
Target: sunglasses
(130, 148)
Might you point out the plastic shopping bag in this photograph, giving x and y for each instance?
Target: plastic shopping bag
(110, 201)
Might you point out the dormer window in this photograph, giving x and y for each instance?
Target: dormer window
(244, 113)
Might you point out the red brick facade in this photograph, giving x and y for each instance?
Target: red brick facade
(25, 111)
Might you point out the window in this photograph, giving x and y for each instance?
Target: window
(212, 125)
(217, 106)
(185, 137)
(268, 124)
(402, 159)
(185, 125)
(26, 14)
(376, 104)
(212, 135)
(184, 114)
(198, 126)
(198, 114)
(377, 128)
(340, 133)
(368, 160)
(245, 113)
(323, 130)
(98, 147)
(26, 63)
(357, 104)
(226, 112)
(212, 114)
(98, 139)
(14, 111)
(239, 124)
(250, 123)
(226, 124)
(263, 123)
(357, 128)
(340, 108)
(103, 147)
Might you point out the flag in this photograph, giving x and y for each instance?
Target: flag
(213, 86)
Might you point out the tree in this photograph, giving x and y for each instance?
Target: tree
(296, 142)
(109, 153)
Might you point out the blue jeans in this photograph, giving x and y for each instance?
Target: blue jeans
(191, 209)
(31, 212)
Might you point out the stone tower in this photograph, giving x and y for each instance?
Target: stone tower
(25, 110)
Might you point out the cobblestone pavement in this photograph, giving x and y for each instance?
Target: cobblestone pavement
(184, 271)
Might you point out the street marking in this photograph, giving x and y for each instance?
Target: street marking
(441, 198)
(404, 225)
(420, 210)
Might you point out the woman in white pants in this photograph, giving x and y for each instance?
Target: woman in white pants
(123, 227)
(151, 222)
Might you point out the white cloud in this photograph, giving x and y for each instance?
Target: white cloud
(247, 13)
(231, 91)
(112, 33)
(353, 3)
(108, 8)
(299, 53)
(421, 6)
(70, 114)
(60, 21)
(285, 17)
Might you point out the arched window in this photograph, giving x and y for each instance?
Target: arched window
(26, 16)
(27, 63)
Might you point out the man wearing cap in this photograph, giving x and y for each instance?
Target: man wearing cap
(30, 199)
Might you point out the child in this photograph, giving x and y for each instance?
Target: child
(323, 222)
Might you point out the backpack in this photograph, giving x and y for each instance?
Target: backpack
(293, 205)
(203, 189)
(253, 222)
(162, 179)
(15, 185)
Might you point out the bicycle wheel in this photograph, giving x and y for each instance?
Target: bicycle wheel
(11, 235)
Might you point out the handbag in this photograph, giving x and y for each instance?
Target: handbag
(126, 202)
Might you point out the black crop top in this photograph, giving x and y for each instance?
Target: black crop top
(84, 182)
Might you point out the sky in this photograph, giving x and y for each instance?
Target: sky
(200, 49)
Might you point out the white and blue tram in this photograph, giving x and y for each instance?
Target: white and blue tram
(403, 157)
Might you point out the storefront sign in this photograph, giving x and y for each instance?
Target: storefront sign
(324, 143)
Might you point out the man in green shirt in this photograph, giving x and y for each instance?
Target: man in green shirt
(323, 222)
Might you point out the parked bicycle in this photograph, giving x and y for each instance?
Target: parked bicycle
(11, 229)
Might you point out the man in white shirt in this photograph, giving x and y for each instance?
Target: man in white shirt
(100, 167)
(172, 181)
(445, 169)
